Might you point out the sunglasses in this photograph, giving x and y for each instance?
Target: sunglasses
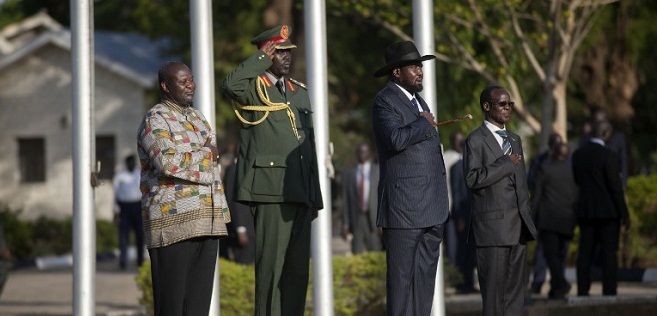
(510, 104)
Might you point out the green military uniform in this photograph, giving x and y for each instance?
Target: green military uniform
(277, 175)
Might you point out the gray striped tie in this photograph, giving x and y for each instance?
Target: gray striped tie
(506, 144)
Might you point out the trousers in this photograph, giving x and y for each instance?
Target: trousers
(281, 258)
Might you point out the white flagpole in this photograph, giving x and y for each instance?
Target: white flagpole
(203, 70)
(315, 17)
(424, 39)
(84, 219)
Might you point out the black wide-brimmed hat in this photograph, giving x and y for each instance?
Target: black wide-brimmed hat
(399, 54)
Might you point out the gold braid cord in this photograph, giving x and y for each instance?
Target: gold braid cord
(268, 107)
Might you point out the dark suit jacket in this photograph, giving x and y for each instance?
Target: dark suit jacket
(500, 201)
(241, 216)
(598, 176)
(618, 145)
(351, 207)
(412, 188)
(273, 165)
(461, 197)
(554, 197)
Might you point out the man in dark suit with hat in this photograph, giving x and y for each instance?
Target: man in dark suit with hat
(276, 173)
(501, 222)
(412, 191)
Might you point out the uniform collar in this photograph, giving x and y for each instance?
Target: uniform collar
(273, 78)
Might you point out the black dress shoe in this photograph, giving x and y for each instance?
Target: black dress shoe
(559, 294)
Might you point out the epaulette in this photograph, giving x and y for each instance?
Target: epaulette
(266, 80)
(298, 83)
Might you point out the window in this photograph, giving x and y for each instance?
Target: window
(32, 159)
(105, 153)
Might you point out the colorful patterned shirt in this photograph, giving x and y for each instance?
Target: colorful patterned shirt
(182, 194)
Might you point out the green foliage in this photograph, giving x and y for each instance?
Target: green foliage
(51, 237)
(359, 285)
(641, 37)
(638, 248)
(46, 236)
(145, 285)
(10, 12)
(642, 205)
(237, 290)
(107, 236)
(17, 233)
(237, 283)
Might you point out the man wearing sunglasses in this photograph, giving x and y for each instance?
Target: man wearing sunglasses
(495, 173)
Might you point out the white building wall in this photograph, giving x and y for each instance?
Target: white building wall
(35, 101)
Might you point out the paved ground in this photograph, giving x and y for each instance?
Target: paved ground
(30, 291)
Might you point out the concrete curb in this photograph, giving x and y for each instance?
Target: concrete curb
(624, 275)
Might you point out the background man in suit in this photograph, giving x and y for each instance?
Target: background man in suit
(359, 200)
(540, 263)
(241, 233)
(501, 221)
(412, 190)
(601, 208)
(451, 156)
(553, 201)
(465, 250)
(276, 170)
(615, 143)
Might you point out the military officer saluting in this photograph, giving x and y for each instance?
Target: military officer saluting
(276, 170)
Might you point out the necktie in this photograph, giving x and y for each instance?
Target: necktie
(281, 86)
(361, 189)
(506, 144)
(417, 106)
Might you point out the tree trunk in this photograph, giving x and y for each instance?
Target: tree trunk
(560, 124)
(278, 12)
(605, 75)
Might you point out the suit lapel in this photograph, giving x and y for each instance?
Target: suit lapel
(490, 140)
(403, 98)
(492, 143)
(423, 103)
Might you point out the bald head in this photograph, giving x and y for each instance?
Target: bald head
(602, 130)
(176, 83)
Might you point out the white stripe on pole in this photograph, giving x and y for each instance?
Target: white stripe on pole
(203, 70)
(84, 221)
(424, 39)
(316, 61)
(203, 57)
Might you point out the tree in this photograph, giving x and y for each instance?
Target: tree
(504, 42)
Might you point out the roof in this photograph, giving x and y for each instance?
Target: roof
(133, 56)
(18, 34)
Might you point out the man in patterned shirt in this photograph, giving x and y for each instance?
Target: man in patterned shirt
(183, 203)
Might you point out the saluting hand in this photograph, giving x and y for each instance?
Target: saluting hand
(269, 49)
